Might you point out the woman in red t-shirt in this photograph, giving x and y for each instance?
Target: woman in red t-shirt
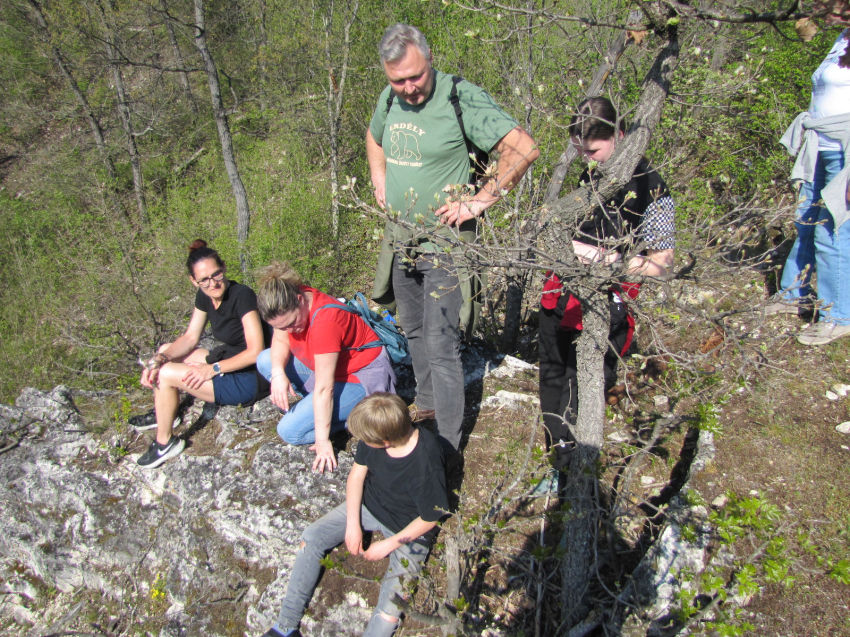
(324, 354)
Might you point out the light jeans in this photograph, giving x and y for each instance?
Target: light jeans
(298, 425)
(428, 296)
(323, 536)
(820, 247)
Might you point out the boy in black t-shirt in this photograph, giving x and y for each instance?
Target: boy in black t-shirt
(397, 486)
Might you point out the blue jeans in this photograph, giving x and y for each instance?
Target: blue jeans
(820, 247)
(428, 296)
(298, 425)
(320, 538)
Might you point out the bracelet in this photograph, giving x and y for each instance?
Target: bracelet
(273, 376)
(164, 358)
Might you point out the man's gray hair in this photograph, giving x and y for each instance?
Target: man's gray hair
(397, 38)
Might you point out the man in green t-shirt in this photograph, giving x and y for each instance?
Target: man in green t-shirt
(419, 161)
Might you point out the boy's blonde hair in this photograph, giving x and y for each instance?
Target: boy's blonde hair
(380, 418)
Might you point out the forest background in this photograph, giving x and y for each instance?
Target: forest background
(93, 226)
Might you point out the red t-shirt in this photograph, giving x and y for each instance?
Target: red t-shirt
(332, 330)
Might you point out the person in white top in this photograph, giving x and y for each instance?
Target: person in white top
(820, 138)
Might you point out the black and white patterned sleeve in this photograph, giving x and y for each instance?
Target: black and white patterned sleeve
(659, 223)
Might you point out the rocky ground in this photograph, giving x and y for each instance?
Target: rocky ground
(91, 544)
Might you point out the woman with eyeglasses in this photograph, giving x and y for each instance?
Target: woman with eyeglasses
(227, 375)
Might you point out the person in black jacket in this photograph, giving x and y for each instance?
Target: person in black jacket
(642, 211)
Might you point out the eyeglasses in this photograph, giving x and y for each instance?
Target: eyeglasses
(216, 276)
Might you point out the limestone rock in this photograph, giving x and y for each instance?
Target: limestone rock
(510, 400)
(841, 389)
(56, 406)
(208, 526)
(843, 428)
(510, 367)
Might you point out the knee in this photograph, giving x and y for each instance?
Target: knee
(290, 432)
(169, 377)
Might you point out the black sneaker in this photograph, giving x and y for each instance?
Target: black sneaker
(143, 422)
(157, 453)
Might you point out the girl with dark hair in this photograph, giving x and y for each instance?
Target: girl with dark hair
(642, 211)
(227, 375)
(323, 353)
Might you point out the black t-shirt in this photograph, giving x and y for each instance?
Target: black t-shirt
(226, 320)
(399, 490)
(648, 213)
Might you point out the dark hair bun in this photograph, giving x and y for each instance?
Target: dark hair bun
(197, 244)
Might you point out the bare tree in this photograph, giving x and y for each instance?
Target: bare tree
(178, 57)
(243, 210)
(112, 46)
(335, 95)
(88, 112)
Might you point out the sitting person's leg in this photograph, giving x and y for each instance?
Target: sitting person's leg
(296, 371)
(169, 383)
(404, 567)
(298, 425)
(167, 392)
(317, 540)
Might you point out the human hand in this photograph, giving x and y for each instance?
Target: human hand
(354, 538)
(325, 458)
(379, 550)
(150, 377)
(381, 196)
(282, 389)
(454, 213)
(198, 374)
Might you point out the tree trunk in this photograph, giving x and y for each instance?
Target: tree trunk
(178, 58)
(88, 112)
(515, 292)
(243, 211)
(580, 530)
(516, 278)
(124, 112)
(603, 72)
(336, 88)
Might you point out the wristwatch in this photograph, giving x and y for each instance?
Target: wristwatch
(217, 369)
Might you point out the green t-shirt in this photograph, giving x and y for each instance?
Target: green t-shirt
(425, 148)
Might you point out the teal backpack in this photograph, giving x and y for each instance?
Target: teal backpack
(389, 337)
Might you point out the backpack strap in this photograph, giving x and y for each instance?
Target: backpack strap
(455, 102)
(350, 310)
(475, 154)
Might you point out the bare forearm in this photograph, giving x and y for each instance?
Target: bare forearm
(415, 529)
(354, 493)
(279, 355)
(181, 347)
(655, 263)
(377, 161)
(517, 151)
(323, 403)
